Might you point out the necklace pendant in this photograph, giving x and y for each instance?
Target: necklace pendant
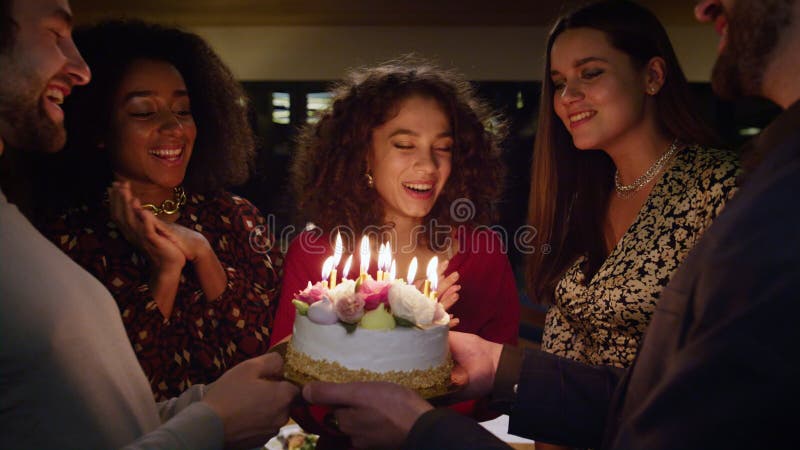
(169, 206)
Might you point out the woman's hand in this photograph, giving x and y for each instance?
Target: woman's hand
(140, 228)
(190, 242)
(195, 248)
(447, 289)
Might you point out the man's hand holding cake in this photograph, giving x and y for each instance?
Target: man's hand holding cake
(381, 415)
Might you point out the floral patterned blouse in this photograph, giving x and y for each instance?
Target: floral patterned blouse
(601, 321)
(203, 337)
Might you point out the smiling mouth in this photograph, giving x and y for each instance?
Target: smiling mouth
(54, 95)
(581, 116)
(167, 154)
(420, 188)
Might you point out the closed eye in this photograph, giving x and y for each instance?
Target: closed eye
(591, 73)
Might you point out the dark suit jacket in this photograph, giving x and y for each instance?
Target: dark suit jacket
(719, 366)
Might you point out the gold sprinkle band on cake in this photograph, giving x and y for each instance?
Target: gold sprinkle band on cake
(325, 370)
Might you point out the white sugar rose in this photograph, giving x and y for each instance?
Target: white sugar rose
(344, 289)
(408, 303)
(322, 312)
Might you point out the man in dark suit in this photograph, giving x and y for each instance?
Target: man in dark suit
(718, 367)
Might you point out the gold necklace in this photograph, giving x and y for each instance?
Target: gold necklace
(627, 190)
(169, 206)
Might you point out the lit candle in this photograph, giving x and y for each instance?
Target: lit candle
(381, 262)
(346, 270)
(429, 287)
(385, 261)
(327, 266)
(393, 271)
(412, 270)
(364, 254)
(337, 256)
(434, 285)
(389, 262)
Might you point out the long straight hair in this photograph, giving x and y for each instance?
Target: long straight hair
(570, 187)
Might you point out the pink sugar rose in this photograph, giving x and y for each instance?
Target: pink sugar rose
(312, 294)
(350, 309)
(374, 293)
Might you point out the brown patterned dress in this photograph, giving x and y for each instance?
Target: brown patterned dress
(601, 321)
(203, 337)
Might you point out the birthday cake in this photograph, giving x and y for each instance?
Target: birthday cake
(370, 330)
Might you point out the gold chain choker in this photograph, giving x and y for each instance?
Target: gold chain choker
(169, 206)
(627, 190)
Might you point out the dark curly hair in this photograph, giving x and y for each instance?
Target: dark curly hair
(329, 165)
(224, 149)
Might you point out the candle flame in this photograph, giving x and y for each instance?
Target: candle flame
(393, 271)
(364, 254)
(384, 257)
(327, 266)
(412, 271)
(337, 250)
(431, 272)
(347, 264)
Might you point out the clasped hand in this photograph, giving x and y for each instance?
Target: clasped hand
(168, 245)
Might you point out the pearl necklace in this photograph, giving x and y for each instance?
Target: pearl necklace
(169, 206)
(627, 190)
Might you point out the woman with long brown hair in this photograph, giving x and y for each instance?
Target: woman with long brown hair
(624, 180)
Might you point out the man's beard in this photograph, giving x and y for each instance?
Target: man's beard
(30, 126)
(26, 124)
(754, 30)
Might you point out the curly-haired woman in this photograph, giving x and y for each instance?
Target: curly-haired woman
(403, 148)
(405, 154)
(164, 120)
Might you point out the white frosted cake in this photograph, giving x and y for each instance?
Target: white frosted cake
(378, 331)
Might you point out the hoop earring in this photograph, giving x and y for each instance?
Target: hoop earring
(370, 180)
